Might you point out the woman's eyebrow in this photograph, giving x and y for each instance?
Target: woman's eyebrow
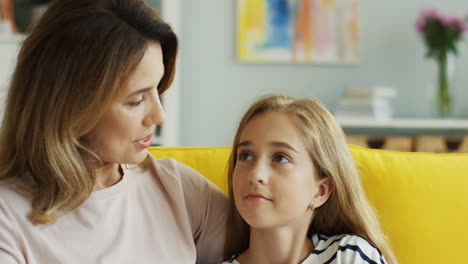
(141, 91)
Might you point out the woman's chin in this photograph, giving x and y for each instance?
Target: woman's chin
(139, 158)
(135, 158)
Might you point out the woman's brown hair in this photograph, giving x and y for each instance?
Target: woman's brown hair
(347, 209)
(69, 69)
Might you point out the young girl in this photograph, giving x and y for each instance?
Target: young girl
(293, 181)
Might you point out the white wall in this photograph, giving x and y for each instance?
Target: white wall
(9, 47)
(216, 89)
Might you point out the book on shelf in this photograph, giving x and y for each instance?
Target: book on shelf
(361, 102)
(377, 91)
(356, 114)
(365, 111)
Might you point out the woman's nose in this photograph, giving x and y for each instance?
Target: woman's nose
(156, 114)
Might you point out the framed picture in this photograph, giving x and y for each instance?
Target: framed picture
(298, 31)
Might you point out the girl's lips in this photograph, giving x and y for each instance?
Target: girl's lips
(255, 197)
(145, 142)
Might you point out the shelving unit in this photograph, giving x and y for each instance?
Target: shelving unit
(408, 134)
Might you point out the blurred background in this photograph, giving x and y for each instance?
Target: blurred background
(214, 86)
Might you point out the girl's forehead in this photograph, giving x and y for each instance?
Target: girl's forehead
(273, 127)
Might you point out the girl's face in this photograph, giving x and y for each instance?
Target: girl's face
(126, 128)
(274, 181)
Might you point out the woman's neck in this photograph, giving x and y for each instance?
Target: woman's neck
(107, 175)
(277, 246)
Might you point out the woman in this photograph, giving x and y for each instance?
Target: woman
(77, 183)
(293, 181)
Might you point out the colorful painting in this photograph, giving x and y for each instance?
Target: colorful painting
(298, 31)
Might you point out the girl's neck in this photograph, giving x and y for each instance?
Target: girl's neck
(277, 246)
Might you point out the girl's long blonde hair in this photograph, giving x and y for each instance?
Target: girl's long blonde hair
(69, 70)
(347, 210)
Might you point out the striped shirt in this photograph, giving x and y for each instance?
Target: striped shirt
(340, 249)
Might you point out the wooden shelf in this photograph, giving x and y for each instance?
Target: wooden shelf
(404, 123)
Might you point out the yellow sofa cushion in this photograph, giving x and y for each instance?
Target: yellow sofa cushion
(421, 198)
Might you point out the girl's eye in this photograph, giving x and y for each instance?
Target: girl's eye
(245, 155)
(137, 103)
(280, 158)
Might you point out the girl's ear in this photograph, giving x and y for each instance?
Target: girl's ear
(323, 193)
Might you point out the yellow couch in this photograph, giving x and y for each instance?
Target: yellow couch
(421, 198)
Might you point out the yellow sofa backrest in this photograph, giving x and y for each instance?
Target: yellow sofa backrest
(421, 198)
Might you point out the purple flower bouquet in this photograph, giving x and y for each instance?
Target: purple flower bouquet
(441, 34)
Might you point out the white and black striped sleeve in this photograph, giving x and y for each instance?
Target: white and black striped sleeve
(347, 249)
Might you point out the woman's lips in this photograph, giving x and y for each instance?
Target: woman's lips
(145, 142)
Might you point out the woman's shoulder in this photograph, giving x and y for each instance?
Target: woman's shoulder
(346, 248)
(9, 190)
(176, 176)
(173, 170)
(13, 203)
(169, 166)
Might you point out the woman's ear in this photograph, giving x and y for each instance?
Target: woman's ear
(323, 192)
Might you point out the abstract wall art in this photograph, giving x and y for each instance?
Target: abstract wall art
(298, 31)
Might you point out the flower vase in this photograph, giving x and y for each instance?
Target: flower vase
(444, 83)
